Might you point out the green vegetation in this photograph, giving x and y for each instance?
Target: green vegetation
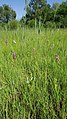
(13, 25)
(33, 74)
(33, 62)
(6, 14)
(44, 12)
(54, 16)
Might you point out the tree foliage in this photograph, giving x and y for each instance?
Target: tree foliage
(12, 24)
(36, 9)
(6, 14)
(43, 11)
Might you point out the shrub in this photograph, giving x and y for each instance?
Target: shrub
(50, 24)
(31, 23)
(2, 26)
(13, 24)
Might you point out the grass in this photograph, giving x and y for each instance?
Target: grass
(33, 85)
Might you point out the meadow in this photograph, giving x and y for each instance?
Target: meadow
(33, 74)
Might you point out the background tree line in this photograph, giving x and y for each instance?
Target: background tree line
(7, 17)
(48, 15)
(38, 12)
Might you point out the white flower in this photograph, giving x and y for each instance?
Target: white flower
(14, 41)
(27, 81)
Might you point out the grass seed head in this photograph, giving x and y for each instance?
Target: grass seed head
(57, 58)
(14, 55)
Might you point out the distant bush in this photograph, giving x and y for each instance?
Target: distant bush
(58, 24)
(31, 23)
(2, 26)
(64, 22)
(13, 24)
(50, 24)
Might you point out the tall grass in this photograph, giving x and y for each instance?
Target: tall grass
(33, 85)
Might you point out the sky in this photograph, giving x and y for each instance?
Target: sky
(18, 5)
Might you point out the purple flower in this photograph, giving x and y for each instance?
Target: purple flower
(57, 58)
(14, 55)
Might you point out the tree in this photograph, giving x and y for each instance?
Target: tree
(61, 14)
(6, 14)
(35, 9)
(55, 6)
(39, 10)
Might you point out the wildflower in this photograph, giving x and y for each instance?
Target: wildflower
(14, 41)
(14, 55)
(57, 58)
